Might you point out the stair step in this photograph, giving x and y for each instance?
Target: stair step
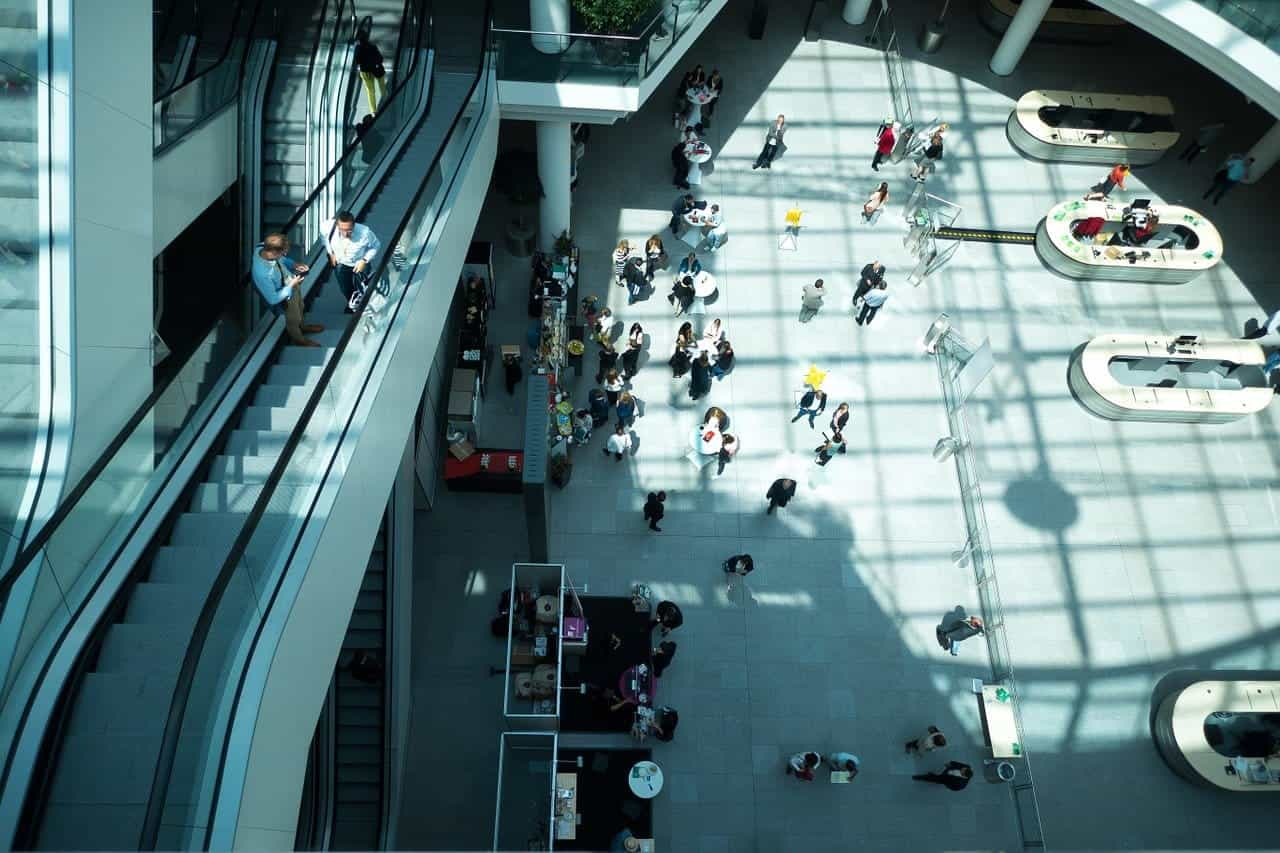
(294, 374)
(288, 174)
(256, 442)
(115, 826)
(291, 153)
(213, 531)
(131, 648)
(370, 601)
(256, 469)
(366, 621)
(282, 396)
(360, 695)
(305, 356)
(179, 565)
(165, 603)
(360, 638)
(93, 772)
(360, 737)
(270, 418)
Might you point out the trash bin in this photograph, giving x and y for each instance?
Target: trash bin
(1000, 771)
(931, 36)
(520, 238)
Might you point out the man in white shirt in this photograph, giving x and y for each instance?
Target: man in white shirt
(618, 444)
(716, 232)
(279, 281)
(351, 247)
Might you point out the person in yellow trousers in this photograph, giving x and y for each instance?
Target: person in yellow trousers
(372, 70)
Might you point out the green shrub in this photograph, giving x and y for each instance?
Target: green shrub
(612, 17)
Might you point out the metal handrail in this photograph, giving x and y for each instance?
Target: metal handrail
(226, 50)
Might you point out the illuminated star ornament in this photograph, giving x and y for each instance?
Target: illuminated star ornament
(815, 377)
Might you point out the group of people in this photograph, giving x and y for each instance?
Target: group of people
(686, 208)
(869, 297)
(955, 775)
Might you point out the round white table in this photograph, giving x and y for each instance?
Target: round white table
(645, 779)
(707, 446)
(704, 284)
(696, 153)
(696, 98)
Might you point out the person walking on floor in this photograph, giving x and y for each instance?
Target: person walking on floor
(772, 139)
(872, 275)
(831, 445)
(279, 282)
(653, 255)
(840, 419)
(811, 300)
(927, 742)
(885, 141)
(631, 358)
(700, 378)
(373, 71)
(955, 776)
(618, 444)
(1205, 136)
(812, 403)
(780, 493)
(668, 615)
(1115, 178)
(513, 373)
(803, 764)
(352, 248)
(621, 254)
(729, 446)
(872, 303)
(875, 201)
(739, 565)
(1234, 170)
(653, 509)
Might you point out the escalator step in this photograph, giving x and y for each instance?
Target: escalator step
(359, 736)
(358, 755)
(358, 717)
(358, 793)
(360, 774)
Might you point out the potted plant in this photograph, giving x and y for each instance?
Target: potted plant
(561, 470)
(612, 18)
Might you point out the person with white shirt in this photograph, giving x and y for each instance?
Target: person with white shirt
(279, 281)
(716, 232)
(618, 444)
(352, 248)
(872, 302)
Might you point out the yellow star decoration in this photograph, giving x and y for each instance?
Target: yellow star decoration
(814, 377)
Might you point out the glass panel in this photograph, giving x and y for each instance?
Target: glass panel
(258, 571)
(1256, 18)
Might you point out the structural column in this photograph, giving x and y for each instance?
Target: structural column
(1264, 152)
(555, 147)
(1021, 30)
(549, 16)
(855, 11)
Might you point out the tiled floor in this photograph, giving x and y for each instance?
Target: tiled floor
(1124, 551)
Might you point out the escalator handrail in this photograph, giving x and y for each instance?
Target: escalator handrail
(226, 50)
(32, 550)
(195, 646)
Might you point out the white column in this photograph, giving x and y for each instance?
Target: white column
(549, 16)
(855, 11)
(1021, 30)
(554, 150)
(1265, 152)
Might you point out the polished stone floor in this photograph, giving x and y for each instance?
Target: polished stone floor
(1124, 552)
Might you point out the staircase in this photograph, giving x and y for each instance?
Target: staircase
(360, 749)
(19, 314)
(104, 765)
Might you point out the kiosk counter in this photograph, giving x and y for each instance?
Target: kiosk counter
(1183, 246)
(1169, 379)
(1223, 735)
(1090, 127)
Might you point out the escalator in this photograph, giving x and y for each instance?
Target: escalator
(138, 728)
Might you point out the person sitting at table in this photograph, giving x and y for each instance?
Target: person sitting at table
(680, 360)
(608, 360)
(662, 657)
(653, 255)
(684, 336)
(715, 229)
(631, 358)
(667, 615)
(715, 332)
(717, 414)
(682, 206)
(715, 87)
(682, 294)
(700, 376)
(699, 76)
(689, 266)
(729, 445)
(724, 359)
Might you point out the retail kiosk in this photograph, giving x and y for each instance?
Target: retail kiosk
(1091, 127)
(1223, 735)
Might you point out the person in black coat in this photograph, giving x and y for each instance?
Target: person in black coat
(669, 617)
(715, 84)
(840, 419)
(662, 657)
(872, 275)
(700, 380)
(511, 365)
(665, 722)
(683, 205)
(680, 164)
(608, 360)
(812, 403)
(780, 493)
(955, 776)
(654, 510)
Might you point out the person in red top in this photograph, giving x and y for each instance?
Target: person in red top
(884, 145)
(1115, 179)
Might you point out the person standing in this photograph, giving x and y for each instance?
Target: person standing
(621, 254)
(729, 446)
(608, 359)
(373, 72)
(618, 444)
(803, 764)
(1115, 178)
(1234, 170)
(955, 776)
(1205, 136)
(631, 358)
(613, 386)
(512, 371)
(840, 419)
(352, 248)
(739, 565)
(662, 657)
(715, 87)
(812, 403)
(772, 139)
(885, 140)
(716, 231)
(811, 300)
(279, 282)
(653, 255)
(680, 165)
(626, 409)
(654, 510)
(872, 303)
(700, 376)
(872, 275)
(927, 742)
(780, 493)
(875, 201)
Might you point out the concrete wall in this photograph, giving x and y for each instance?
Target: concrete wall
(111, 228)
(192, 174)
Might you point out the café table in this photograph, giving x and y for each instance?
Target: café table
(645, 780)
(707, 439)
(696, 153)
(697, 97)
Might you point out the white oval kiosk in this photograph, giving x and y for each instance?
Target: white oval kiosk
(1090, 127)
(1093, 239)
(1170, 379)
(1223, 734)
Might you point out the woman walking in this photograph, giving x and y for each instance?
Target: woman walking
(875, 201)
(631, 358)
(653, 254)
(620, 256)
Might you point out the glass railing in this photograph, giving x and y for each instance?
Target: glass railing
(24, 268)
(213, 87)
(96, 517)
(613, 60)
(1258, 19)
(184, 795)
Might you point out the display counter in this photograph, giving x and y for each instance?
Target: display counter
(1169, 379)
(1089, 127)
(485, 471)
(1184, 244)
(1223, 735)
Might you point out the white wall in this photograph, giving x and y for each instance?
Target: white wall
(192, 174)
(262, 789)
(111, 229)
